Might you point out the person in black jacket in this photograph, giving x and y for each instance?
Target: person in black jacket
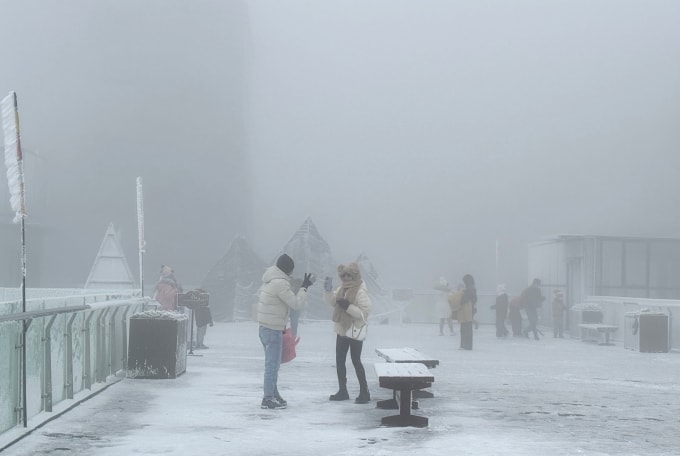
(532, 299)
(468, 308)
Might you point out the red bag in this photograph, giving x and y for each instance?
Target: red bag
(289, 343)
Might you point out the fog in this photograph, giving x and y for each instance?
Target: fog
(422, 133)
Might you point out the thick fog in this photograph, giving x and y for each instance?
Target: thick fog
(422, 133)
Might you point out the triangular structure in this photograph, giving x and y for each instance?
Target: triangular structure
(381, 305)
(110, 270)
(311, 253)
(233, 282)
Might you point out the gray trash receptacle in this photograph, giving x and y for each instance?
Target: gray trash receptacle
(157, 345)
(646, 332)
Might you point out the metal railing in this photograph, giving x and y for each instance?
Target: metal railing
(72, 344)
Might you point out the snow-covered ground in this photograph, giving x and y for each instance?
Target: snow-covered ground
(512, 396)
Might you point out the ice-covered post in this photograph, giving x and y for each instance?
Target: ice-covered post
(140, 232)
(15, 180)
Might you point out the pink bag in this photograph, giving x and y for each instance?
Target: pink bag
(289, 343)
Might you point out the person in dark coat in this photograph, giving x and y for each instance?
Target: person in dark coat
(501, 308)
(532, 299)
(468, 304)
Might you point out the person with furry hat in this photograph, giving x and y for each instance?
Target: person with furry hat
(351, 306)
(275, 301)
(167, 288)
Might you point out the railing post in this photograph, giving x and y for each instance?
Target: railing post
(125, 338)
(112, 342)
(68, 374)
(101, 347)
(47, 366)
(87, 371)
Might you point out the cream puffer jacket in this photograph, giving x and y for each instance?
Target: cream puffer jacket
(276, 297)
(358, 311)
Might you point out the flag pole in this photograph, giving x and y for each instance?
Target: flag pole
(140, 232)
(15, 180)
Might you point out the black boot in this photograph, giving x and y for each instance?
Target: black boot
(342, 394)
(364, 396)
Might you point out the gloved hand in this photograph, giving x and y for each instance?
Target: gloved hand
(328, 284)
(342, 303)
(307, 281)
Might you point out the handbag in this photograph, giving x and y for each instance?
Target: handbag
(288, 345)
(357, 333)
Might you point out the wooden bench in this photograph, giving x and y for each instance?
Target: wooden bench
(593, 332)
(408, 355)
(403, 379)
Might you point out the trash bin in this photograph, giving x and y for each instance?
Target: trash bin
(157, 345)
(646, 332)
(583, 313)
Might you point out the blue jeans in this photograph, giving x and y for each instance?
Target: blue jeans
(272, 342)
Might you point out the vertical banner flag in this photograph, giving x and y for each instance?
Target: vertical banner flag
(13, 158)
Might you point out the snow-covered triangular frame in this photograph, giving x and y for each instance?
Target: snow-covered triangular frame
(110, 270)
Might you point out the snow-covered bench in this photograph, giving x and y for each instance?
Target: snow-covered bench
(403, 379)
(408, 355)
(593, 332)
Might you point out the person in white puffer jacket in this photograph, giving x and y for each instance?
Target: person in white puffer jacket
(275, 300)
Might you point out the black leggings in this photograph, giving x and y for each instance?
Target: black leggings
(342, 345)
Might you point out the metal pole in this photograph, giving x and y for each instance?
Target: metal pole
(24, 325)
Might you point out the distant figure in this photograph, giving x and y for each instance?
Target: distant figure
(501, 307)
(454, 301)
(203, 318)
(167, 288)
(558, 309)
(351, 306)
(532, 299)
(443, 308)
(275, 299)
(468, 304)
(515, 316)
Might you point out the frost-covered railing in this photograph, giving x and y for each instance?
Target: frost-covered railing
(74, 344)
(614, 309)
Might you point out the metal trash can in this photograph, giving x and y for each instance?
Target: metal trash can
(646, 332)
(157, 346)
(583, 313)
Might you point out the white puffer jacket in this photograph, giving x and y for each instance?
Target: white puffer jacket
(276, 297)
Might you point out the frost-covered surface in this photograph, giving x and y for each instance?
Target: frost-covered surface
(506, 397)
(159, 315)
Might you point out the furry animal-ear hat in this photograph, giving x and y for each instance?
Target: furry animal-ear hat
(352, 269)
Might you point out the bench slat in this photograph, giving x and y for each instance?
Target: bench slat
(406, 355)
(406, 371)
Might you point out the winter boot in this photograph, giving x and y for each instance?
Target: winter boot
(342, 394)
(364, 397)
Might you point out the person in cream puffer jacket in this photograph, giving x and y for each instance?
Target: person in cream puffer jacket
(275, 299)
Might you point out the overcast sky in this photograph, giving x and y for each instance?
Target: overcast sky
(418, 132)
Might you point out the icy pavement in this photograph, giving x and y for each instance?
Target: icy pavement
(506, 397)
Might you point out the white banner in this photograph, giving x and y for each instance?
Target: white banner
(13, 158)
